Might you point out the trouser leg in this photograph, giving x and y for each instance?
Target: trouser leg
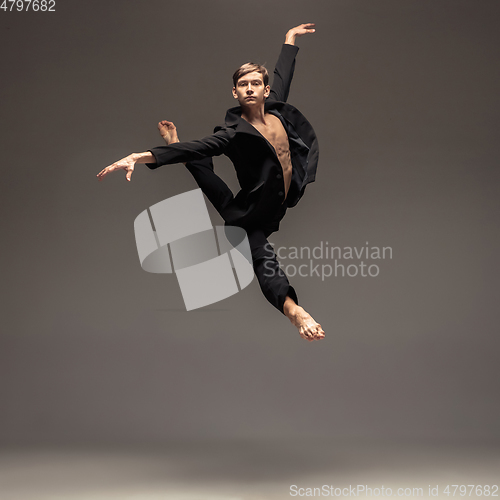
(272, 280)
(212, 186)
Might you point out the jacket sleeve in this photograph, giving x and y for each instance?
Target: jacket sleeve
(283, 73)
(212, 145)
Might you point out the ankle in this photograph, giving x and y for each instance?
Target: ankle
(292, 311)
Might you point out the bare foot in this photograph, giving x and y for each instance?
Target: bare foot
(308, 328)
(168, 132)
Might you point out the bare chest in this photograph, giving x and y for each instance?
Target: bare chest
(275, 133)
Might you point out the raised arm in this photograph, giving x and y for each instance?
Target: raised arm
(283, 71)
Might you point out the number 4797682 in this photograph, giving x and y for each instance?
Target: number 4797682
(26, 5)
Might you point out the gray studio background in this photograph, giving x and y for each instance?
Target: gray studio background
(404, 98)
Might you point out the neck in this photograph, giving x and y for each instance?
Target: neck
(253, 114)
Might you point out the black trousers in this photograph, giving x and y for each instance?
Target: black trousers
(272, 280)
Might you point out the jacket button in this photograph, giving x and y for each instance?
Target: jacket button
(281, 193)
(278, 176)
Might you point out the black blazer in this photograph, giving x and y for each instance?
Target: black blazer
(257, 167)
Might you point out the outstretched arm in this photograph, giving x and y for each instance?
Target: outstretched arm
(177, 152)
(283, 71)
(212, 145)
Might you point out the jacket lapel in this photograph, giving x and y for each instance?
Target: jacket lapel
(239, 124)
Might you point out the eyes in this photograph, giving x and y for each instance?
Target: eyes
(255, 83)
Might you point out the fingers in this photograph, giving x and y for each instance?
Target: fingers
(115, 166)
(129, 169)
(306, 28)
(305, 25)
(104, 172)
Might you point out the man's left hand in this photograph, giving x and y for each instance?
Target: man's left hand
(302, 29)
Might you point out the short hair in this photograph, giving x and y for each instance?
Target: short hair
(250, 67)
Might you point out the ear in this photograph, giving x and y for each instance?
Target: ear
(267, 91)
(235, 95)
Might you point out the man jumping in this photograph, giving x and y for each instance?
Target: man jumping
(275, 153)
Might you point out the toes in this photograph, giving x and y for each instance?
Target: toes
(312, 332)
(305, 335)
(320, 334)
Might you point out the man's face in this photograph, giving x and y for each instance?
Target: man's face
(250, 90)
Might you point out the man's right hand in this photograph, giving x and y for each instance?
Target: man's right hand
(127, 164)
